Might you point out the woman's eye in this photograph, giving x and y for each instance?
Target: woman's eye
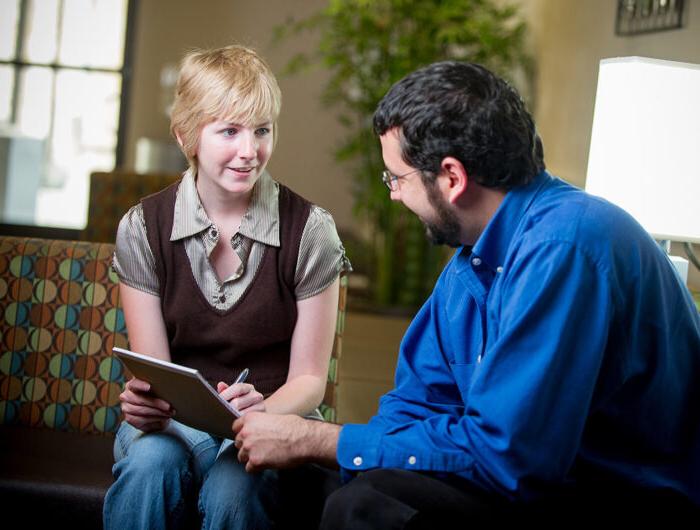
(230, 132)
(262, 131)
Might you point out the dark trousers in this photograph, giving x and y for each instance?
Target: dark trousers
(394, 498)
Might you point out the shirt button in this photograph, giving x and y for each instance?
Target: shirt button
(222, 298)
(412, 460)
(476, 261)
(213, 233)
(499, 269)
(357, 460)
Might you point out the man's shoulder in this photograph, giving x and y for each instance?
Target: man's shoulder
(572, 216)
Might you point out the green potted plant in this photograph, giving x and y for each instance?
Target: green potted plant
(368, 45)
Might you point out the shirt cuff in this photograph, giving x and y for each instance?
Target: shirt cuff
(358, 449)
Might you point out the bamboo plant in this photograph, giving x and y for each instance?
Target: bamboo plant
(368, 45)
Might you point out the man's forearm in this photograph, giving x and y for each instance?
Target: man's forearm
(319, 442)
(279, 441)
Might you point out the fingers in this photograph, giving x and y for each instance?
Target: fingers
(137, 392)
(249, 403)
(244, 456)
(146, 424)
(137, 385)
(242, 396)
(131, 409)
(141, 409)
(230, 392)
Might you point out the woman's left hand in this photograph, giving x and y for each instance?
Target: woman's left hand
(242, 396)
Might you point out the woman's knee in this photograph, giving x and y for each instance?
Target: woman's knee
(154, 455)
(230, 494)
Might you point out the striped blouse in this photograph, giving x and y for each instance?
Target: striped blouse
(321, 254)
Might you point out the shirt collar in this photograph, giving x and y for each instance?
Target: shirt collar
(492, 245)
(260, 222)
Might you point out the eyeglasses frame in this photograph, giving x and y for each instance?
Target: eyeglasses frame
(391, 180)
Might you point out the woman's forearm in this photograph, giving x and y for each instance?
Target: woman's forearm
(300, 395)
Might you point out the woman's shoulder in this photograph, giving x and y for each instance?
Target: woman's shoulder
(321, 218)
(132, 220)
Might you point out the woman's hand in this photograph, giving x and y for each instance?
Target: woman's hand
(143, 410)
(242, 396)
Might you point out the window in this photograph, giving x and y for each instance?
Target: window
(61, 76)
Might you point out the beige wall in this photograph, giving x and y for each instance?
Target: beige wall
(569, 38)
(308, 132)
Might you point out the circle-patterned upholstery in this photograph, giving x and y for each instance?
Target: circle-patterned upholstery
(59, 319)
(60, 316)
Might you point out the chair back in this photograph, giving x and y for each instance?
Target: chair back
(111, 196)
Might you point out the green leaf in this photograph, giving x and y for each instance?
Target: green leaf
(366, 46)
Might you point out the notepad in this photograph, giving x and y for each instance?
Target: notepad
(196, 403)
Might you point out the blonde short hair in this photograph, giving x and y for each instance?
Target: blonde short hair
(232, 83)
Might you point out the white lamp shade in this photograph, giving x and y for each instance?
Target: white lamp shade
(645, 144)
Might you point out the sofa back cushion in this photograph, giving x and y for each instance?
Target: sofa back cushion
(59, 319)
(112, 194)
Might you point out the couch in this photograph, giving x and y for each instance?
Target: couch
(112, 193)
(60, 316)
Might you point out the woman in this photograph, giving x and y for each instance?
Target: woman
(225, 270)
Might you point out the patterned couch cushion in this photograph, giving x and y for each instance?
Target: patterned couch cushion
(60, 316)
(59, 305)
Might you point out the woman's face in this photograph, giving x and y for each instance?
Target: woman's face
(233, 156)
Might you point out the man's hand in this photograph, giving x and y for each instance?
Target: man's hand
(282, 441)
(141, 409)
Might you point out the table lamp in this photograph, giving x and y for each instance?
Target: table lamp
(645, 146)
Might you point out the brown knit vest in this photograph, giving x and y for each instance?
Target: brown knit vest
(256, 332)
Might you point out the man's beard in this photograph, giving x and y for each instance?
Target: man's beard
(446, 230)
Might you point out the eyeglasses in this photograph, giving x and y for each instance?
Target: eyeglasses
(391, 180)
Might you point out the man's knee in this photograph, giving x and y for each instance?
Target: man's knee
(362, 503)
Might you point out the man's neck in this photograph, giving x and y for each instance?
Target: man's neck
(477, 210)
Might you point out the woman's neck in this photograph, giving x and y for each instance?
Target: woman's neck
(220, 205)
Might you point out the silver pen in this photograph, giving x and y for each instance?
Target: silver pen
(242, 376)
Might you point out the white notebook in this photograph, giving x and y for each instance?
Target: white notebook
(196, 403)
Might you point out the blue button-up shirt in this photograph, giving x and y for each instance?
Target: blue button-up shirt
(564, 335)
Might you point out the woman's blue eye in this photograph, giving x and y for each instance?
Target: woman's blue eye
(229, 132)
(262, 131)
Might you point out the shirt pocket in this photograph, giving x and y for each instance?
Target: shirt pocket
(463, 374)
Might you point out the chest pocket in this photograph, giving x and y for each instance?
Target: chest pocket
(463, 374)
(466, 330)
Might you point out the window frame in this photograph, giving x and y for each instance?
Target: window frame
(125, 73)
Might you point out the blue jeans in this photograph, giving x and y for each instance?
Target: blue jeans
(180, 478)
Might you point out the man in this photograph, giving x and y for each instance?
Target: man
(556, 364)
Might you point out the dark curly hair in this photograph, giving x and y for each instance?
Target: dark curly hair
(465, 111)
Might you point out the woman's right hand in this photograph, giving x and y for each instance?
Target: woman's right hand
(143, 410)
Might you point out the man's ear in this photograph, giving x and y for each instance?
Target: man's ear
(453, 180)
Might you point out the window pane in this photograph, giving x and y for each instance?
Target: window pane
(34, 101)
(9, 11)
(92, 33)
(7, 81)
(83, 140)
(41, 31)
